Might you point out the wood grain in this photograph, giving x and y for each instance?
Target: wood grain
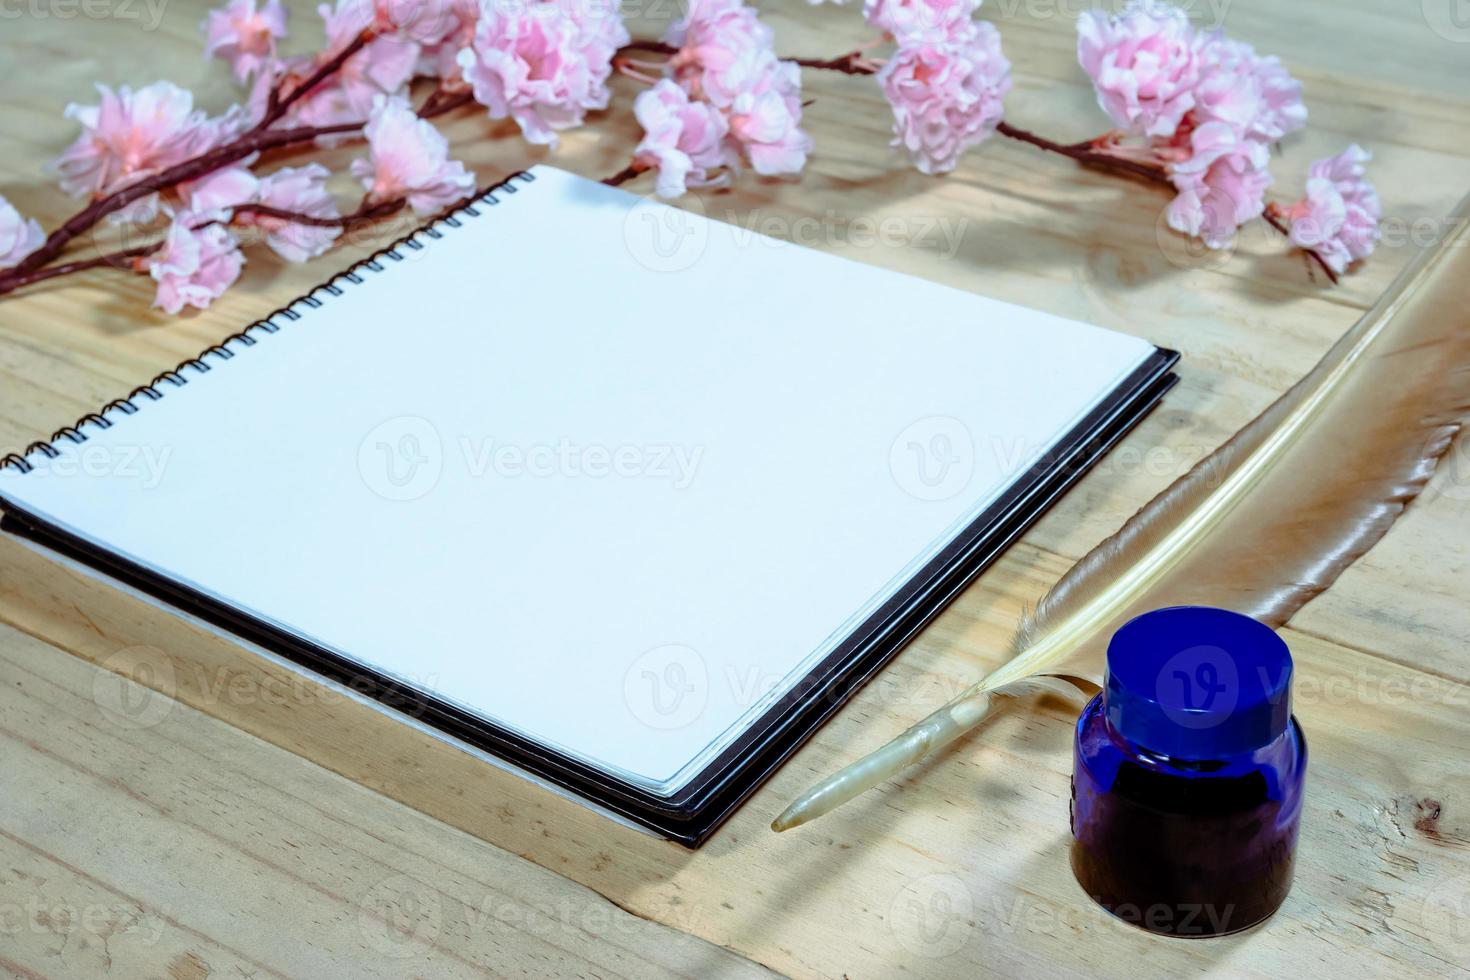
(198, 845)
(176, 847)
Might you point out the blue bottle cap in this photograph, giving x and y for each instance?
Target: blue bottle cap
(1193, 682)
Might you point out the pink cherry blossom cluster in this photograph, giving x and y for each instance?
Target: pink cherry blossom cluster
(947, 81)
(543, 63)
(734, 101)
(131, 135)
(1196, 111)
(1208, 108)
(1338, 217)
(730, 102)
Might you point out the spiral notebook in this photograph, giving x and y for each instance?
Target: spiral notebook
(616, 496)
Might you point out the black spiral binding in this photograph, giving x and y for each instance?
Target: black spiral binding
(222, 352)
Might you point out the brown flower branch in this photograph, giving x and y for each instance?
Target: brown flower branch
(258, 139)
(852, 63)
(199, 166)
(278, 105)
(443, 100)
(1089, 153)
(111, 260)
(123, 258)
(648, 47)
(1272, 217)
(626, 174)
(365, 212)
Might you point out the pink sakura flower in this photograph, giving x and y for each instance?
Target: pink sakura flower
(131, 135)
(726, 59)
(716, 39)
(421, 21)
(301, 190)
(1211, 106)
(409, 158)
(1155, 76)
(1255, 95)
(1144, 64)
(19, 236)
(383, 67)
(221, 190)
(1221, 183)
(765, 115)
(439, 59)
(543, 64)
(199, 260)
(1282, 108)
(1338, 217)
(922, 20)
(243, 36)
(682, 140)
(946, 98)
(727, 24)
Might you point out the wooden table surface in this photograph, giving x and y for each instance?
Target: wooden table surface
(242, 823)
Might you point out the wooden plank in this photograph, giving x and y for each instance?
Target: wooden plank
(168, 844)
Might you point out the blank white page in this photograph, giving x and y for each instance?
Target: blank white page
(730, 451)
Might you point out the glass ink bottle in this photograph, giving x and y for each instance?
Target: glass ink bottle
(1187, 775)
